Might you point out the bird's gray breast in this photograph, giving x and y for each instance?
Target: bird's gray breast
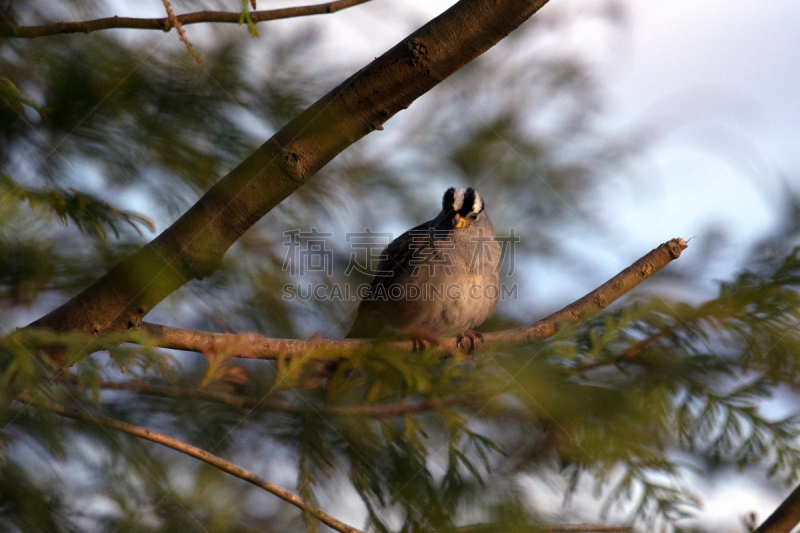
(457, 281)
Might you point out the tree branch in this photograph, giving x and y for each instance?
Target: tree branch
(584, 528)
(599, 298)
(173, 22)
(230, 468)
(193, 246)
(195, 452)
(785, 517)
(88, 26)
(254, 346)
(633, 351)
(379, 411)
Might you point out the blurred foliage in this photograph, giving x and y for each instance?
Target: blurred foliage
(87, 212)
(687, 398)
(15, 100)
(112, 130)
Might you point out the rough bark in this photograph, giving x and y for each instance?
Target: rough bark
(194, 245)
(253, 346)
(164, 23)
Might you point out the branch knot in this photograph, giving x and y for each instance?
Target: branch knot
(293, 166)
(419, 55)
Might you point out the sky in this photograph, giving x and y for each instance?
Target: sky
(726, 75)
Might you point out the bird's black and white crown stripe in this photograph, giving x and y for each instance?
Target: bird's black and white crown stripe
(462, 201)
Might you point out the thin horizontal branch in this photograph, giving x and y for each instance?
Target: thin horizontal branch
(584, 528)
(629, 353)
(164, 24)
(254, 346)
(195, 452)
(378, 411)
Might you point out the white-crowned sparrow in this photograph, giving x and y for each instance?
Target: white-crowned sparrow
(438, 278)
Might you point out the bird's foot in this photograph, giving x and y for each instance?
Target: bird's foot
(421, 339)
(418, 344)
(468, 340)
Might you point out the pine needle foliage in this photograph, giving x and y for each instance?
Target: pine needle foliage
(633, 426)
(89, 214)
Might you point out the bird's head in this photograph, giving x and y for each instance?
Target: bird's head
(462, 208)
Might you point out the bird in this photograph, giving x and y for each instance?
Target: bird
(437, 279)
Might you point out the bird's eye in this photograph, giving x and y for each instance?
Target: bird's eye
(474, 217)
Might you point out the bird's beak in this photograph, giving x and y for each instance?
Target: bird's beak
(459, 221)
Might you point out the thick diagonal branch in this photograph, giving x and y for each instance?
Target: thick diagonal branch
(194, 245)
(197, 453)
(88, 26)
(252, 346)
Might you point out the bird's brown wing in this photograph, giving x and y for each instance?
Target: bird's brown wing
(393, 268)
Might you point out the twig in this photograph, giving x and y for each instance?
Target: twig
(379, 411)
(195, 452)
(254, 346)
(633, 351)
(88, 26)
(584, 528)
(785, 517)
(172, 20)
